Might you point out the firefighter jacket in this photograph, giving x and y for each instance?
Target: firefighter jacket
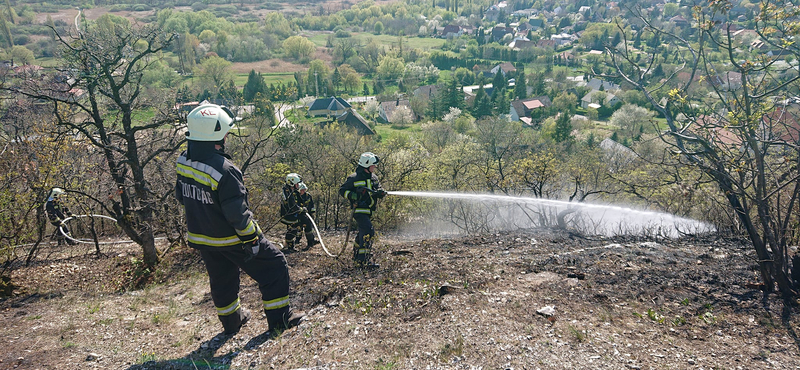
(305, 200)
(211, 188)
(55, 211)
(290, 206)
(364, 200)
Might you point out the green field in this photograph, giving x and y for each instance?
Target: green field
(424, 43)
(387, 132)
(269, 78)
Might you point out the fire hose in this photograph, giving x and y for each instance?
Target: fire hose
(64, 234)
(321, 243)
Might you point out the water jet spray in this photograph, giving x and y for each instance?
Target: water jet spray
(598, 210)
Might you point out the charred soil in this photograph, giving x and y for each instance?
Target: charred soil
(535, 299)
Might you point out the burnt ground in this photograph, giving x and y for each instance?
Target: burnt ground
(461, 303)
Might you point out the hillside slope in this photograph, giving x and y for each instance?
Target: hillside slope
(464, 303)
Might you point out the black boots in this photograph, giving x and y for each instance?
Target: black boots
(289, 247)
(278, 321)
(286, 319)
(232, 323)
(311, 241)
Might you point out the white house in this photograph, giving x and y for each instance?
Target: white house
(594, 96)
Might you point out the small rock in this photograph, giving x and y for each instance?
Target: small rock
(547, 311)
(92, 357)
(447, 289)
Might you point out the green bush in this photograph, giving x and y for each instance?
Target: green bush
(119, 8)
(270, 6)
(21, 40)
(198, 6)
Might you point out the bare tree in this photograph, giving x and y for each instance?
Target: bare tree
(746, 137)
(97, 97)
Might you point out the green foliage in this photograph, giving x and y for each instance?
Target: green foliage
(655, 316)
(482, 104)
(579, 335)
(254, 85)
(563, 128)
(390, 68)
(214, 74)
(298, 47)
(160, 75)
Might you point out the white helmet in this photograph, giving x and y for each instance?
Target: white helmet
(293, 179)
(302, 186)
(209, 122)
(368, 159)
(56, 192)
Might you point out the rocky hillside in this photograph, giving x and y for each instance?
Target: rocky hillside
(525, 300)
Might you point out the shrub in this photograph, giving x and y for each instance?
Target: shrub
(21, 40)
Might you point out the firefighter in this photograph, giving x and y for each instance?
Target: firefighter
(57, 213)
(221, 226)
(306, 201)
(363, 190)
(292, 210)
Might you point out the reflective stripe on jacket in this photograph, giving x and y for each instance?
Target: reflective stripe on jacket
(290, 205)
(361, 178)
(215, 199)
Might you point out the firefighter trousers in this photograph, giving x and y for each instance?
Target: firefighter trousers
(364, 238)
(268, 268)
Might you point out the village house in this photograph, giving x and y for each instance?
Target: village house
(536, 24)
(499, 32)
(522, 108)
(521, 43)
(543, 43)
(388, 108)
(427, 92)
(679, 21)
(562, 39)
(354, 120)
(492, 14)
(596, 83)
(593, 99)
(453, 31)
(729, 81)
(506, 68)
(328, 107)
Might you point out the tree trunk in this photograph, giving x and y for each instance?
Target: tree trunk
(764, 258)
(149, 251)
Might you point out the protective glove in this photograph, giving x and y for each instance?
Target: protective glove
(380, 193)
(302, 210)
(251, 250)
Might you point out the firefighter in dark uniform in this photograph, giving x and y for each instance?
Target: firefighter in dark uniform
(222, 228)
(57, 213)
(306, 201)
(363, 190)
(291, 210)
